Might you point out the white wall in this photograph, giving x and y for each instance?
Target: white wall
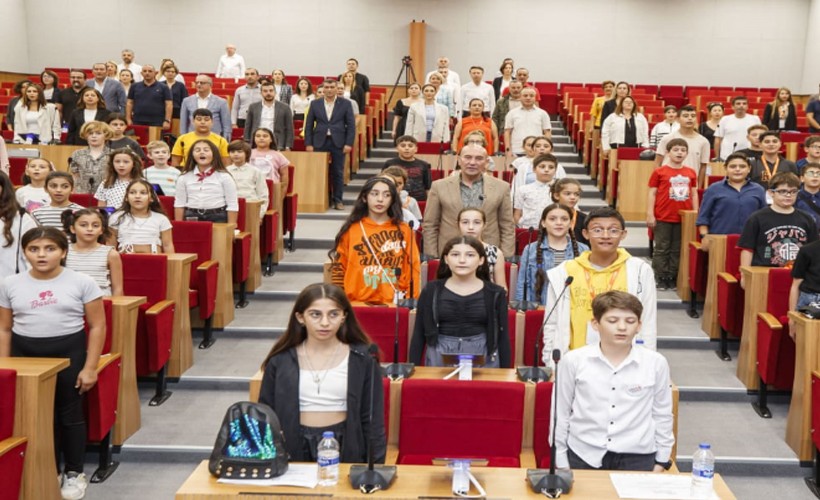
(718, 42)
(811, 59)
(14, 54)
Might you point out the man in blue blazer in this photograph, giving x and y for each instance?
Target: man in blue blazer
(111, 89)
(203, 98)
(330, 126)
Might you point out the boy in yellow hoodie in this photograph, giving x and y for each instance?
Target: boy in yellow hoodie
(605, 267)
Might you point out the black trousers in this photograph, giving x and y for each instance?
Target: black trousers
(69, 418)
(615, 461)
(312, 436)
(218, 216)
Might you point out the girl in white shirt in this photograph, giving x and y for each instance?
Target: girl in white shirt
(87, 230)
(140, 225)
(300, 101)
(33, 195)
(205, 190)
(124, 166)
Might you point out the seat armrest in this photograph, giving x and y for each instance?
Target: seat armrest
(770, 321)
(11, 443)
(727, 277)
(160, 307)
(105, 360)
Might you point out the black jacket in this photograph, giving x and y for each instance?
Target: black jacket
(774, 122)
(426, 329)
(76, 122)
(280, 391)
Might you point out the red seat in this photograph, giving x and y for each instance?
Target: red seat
(241, 263)
(436, 174)
(432, 148)
(17, 168)
(12, 449)
(167, 203)
(269, 233)
(542, 423)
(140, 133)
(698, 275)
(196, 237)
(422, 206)
(775, 347)
(461, 419)
(524, 237)
(730, 297)
(147, 275)
(83, 199)
(379, 324)
(532, 325)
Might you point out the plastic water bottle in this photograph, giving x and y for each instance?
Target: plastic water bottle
(703, 471)
(327, 456)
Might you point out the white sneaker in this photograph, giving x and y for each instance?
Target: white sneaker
(74, 486)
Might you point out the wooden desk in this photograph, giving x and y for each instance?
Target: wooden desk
(57, 154)
(252, 209)
(807, 349)
(688, 232)
(757, 287)
(310, 180)
(633, 187)
(717, 264)
(222, 252)
(413, 481)
(34, 420)
(179, 276)
(124, 312)
(717, 168)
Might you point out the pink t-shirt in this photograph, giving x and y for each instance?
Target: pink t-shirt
(271, 163)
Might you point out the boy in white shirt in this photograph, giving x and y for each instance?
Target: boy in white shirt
(531, 199)
(162, 173)
(614, 399)
(250, 181)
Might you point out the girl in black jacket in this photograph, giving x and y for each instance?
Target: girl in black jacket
(319, 377)
(462, 311)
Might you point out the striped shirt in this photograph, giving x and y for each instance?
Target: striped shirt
(49, 216)
(93, 264)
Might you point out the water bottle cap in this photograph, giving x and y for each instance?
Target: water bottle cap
(705, 446)
(328, 435)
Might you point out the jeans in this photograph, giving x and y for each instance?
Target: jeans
(806, 298)
(337, 169)
(615, 461)
(666, 257)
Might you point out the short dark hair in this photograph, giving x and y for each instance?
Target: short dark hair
(605, 213)
(810, 140)
(738, 156)
(203, 112)
(615, 299)
(784, 178)
(546, 157)
(406, 138)
(688, 107)
(670, 107)
(241, 146)
(677, 142)
(479, 67)
(739, 98)
(807, 166)
(329, 80)
(115, 116)
(769, 133)
(58, 174)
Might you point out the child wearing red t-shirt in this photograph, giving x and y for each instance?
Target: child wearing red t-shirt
(672, 188)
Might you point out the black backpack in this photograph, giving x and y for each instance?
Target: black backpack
(250, 444)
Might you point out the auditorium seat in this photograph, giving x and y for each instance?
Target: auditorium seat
(269, 233)
(17, 168)
(12, 449)
(730, 297)
(698, 275)
(532, 326)
(542, 424)
(146, 275)
(167, 203)
(461, 419)
(524, 237)
(84, 199)
(241, 263)
(775, 347)
(196, 237)
(379, 323)
(290, 209)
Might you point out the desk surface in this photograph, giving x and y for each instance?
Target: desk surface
(413, 481)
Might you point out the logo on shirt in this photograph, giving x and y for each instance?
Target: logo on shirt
(783, 243)
(45, 299)
(679, 188)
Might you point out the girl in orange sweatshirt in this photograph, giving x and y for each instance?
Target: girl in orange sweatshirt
(371, 259)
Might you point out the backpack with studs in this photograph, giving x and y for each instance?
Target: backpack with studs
(250, 444)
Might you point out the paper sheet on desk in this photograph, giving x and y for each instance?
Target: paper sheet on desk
(654, 486)
(299, 475)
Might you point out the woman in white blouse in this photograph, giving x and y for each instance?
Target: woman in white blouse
(626, 127)
(35, 121)
(428, 121)
(300, 101)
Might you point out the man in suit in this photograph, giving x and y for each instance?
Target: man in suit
(205, 99)
(331, 127)
(272, 115)
(471, 188)
(112, 90)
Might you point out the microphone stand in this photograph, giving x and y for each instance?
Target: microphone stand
(396, 370)
(371, 478)
(551, 483)
(534, 373)
(410, 302)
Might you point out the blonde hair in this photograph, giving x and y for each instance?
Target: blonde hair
(157, 145)
(96, 126)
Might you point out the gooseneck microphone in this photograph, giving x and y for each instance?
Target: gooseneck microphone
(535, 373)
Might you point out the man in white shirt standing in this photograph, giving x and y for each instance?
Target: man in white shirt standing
(244, 97)
(451, 76)
(231, 65)
(129, 64)
(613, 398)
(730, 135)
(477, 89)
(523, 122)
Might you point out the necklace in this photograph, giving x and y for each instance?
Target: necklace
(316, 375)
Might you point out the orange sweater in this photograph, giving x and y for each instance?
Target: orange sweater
(356, 271)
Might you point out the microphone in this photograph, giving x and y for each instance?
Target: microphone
(552, 483)
(396, 370)
(535, 373)
(526, 304)
(409, 302)
(371, 478)
(481, 198)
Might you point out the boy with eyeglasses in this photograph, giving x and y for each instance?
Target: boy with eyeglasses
(603, 268)
(812, 148)
(773, 235)
(808, 199)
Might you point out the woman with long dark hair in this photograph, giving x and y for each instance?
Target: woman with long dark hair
(477, 120)
(90, 108)
(15, 223)
(318, 377)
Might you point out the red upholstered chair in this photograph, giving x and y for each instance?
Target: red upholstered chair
(167, 203)
(290, 207)
(269, 233)
(532, 324)
(542, 423)
(813, 481)
(101, 402)
(422, 206)
(698, 275)
(432, 269)
(432, 148)
(379, 323)
(436, 174)
(147, 275)
(17, 168)
(85, 200)
(140, 133)
(196, 237)
(730, 297)
(241, 263)
(461, 419)
(12, 449)
(775, 347)
(524, 237)
(512, 332)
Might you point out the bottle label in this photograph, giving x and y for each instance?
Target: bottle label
(328, 461)
(703, 473)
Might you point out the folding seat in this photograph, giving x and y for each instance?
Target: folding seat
(12, 449)
(379, 323)
(241, 261)
(542, 424)
(167, 203)
(812, 482)
(83, 199)
(422, 206)
(730, 297)
(698, 276)
(196, 237)
(298, 144)
(147, 275)
(437, 174)
(290, 208)
(17, 168)
(532, 324)
(648, 89)
(432, 148)
(140, 133)
(461, 419)
(269, 234)
(775, 347)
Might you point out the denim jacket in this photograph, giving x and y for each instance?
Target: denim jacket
(527, 267)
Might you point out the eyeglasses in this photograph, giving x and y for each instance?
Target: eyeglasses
(812, 173)
(785, 192)
(600, 231)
